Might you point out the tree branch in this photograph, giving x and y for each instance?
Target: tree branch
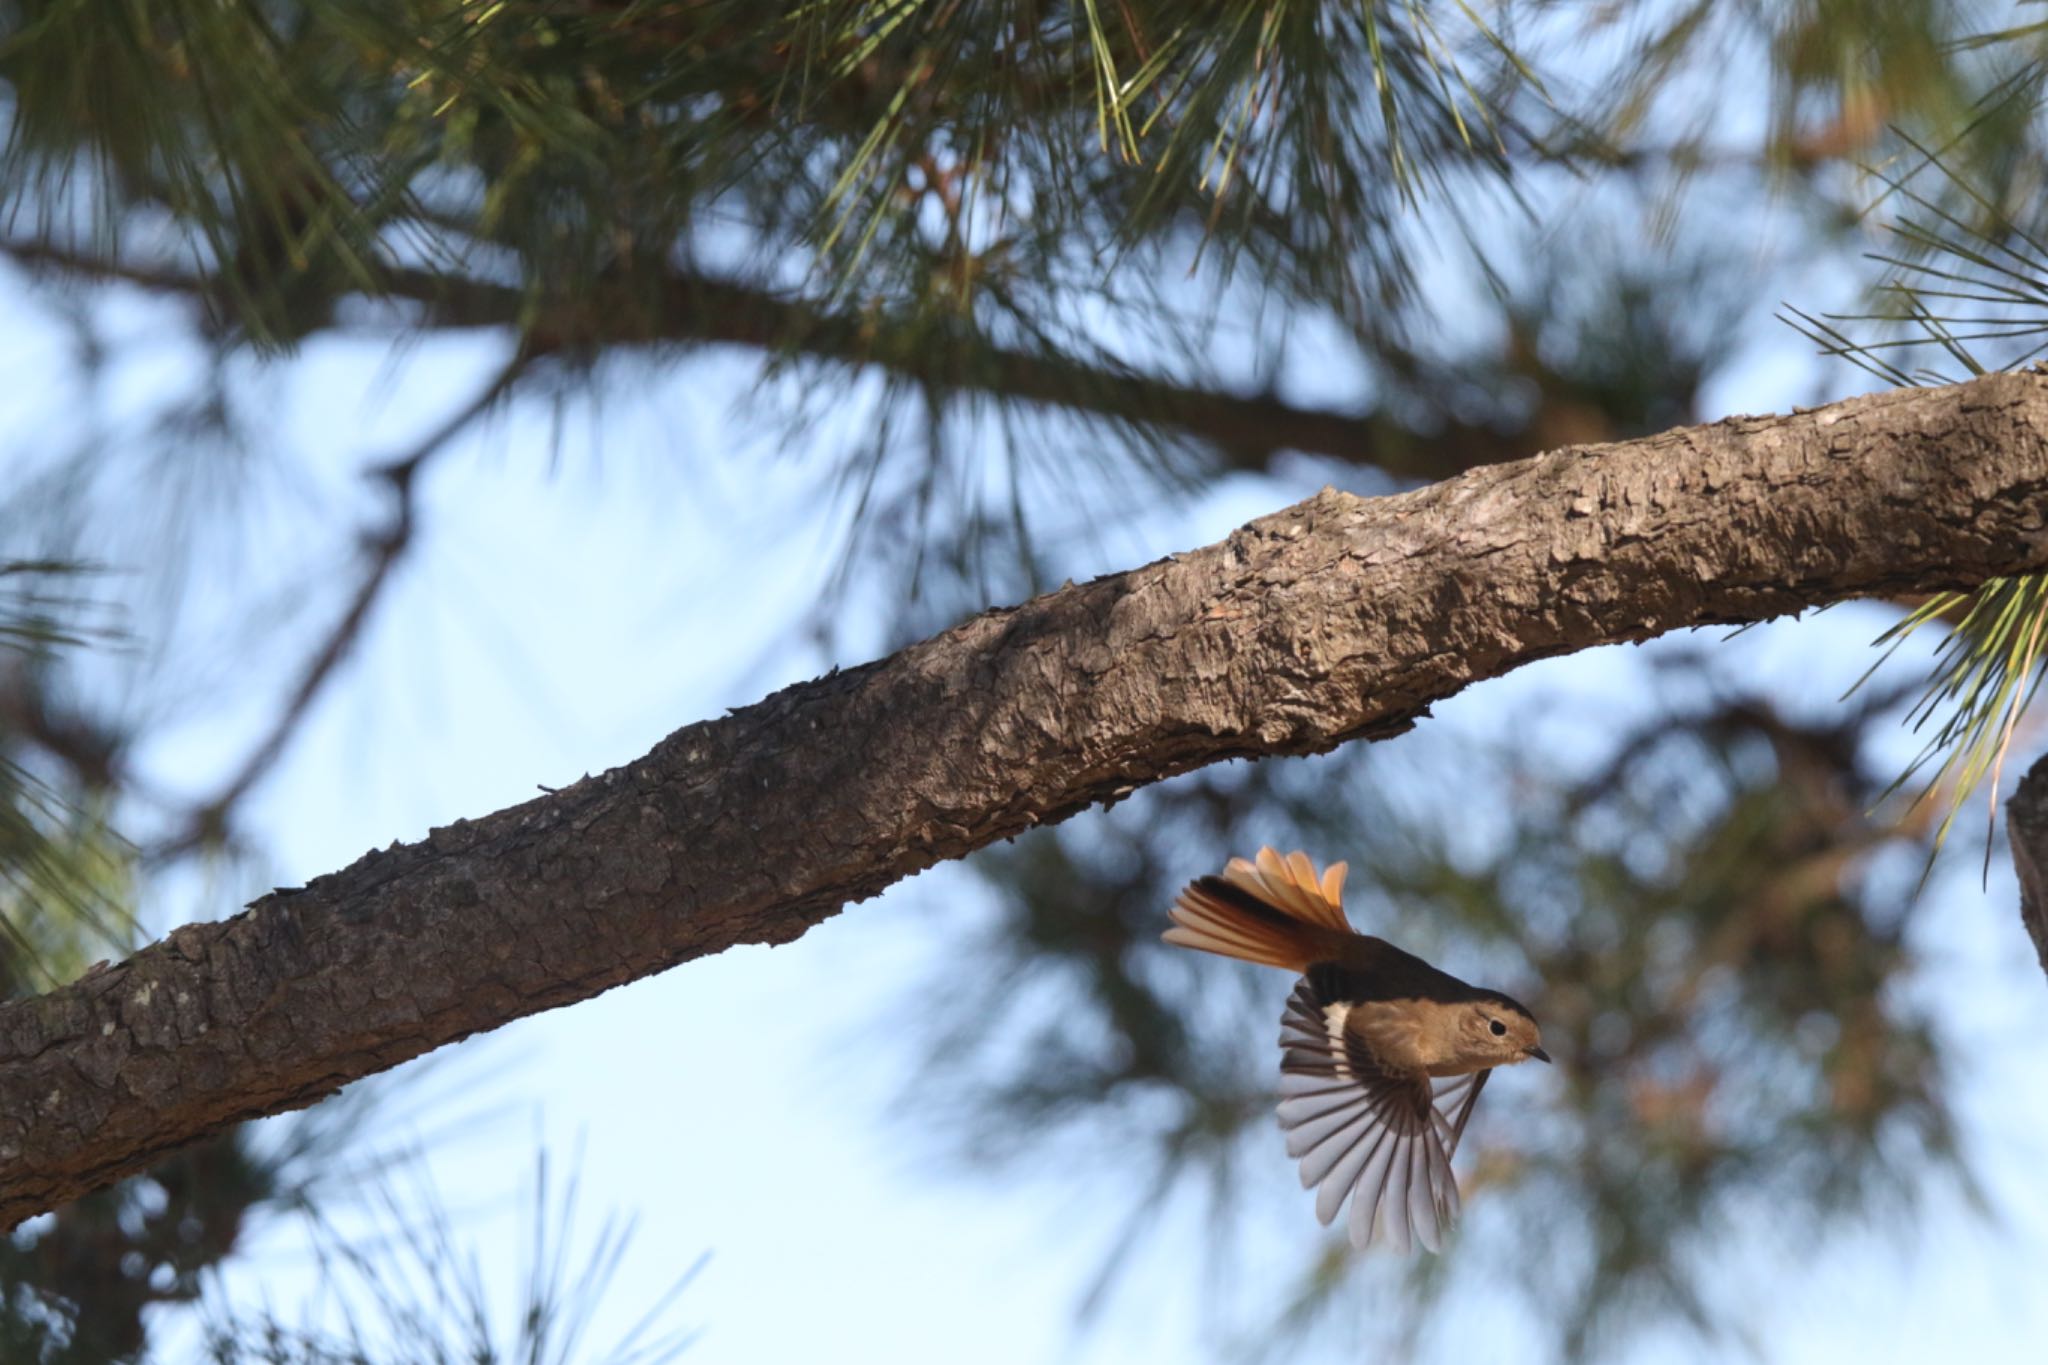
(1335, 619)
(1247, 431)
(2026, 827)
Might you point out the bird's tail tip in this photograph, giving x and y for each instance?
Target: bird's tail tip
(1275, 911)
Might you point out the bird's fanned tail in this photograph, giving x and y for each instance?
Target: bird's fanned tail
(1276, 911)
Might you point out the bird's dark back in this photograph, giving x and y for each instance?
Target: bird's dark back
(1373, 969)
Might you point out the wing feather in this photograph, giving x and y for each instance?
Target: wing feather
(1381, 1138)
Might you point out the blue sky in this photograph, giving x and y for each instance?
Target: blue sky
(569, 605)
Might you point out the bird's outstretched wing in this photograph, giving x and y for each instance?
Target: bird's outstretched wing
(1358, 1129)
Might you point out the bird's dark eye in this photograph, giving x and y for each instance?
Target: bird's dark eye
(1500, 1030)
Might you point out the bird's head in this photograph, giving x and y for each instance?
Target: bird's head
(1495, 1030)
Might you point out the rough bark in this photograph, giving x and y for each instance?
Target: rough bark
(2026, 826)
(1334, 619)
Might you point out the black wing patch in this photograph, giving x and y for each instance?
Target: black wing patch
(1379, 1136)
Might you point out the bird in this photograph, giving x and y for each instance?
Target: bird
(1382, 1055)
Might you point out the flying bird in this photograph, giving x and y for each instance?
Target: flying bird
(1382, 1055)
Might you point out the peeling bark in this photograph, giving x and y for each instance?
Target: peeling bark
(1338, 618)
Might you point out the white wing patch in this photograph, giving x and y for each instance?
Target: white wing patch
(1334, 1015)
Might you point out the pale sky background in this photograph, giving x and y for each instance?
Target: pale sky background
(570, 602)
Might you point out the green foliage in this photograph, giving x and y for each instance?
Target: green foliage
(411, 1292)
(907, 148)
(65, 875)
(1986, 672)
(1966, 293)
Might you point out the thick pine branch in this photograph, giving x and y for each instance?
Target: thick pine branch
(1334, 619)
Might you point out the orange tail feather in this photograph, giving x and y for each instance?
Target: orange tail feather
(1276, 912)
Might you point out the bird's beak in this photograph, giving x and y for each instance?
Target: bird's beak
(1539, 1054)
